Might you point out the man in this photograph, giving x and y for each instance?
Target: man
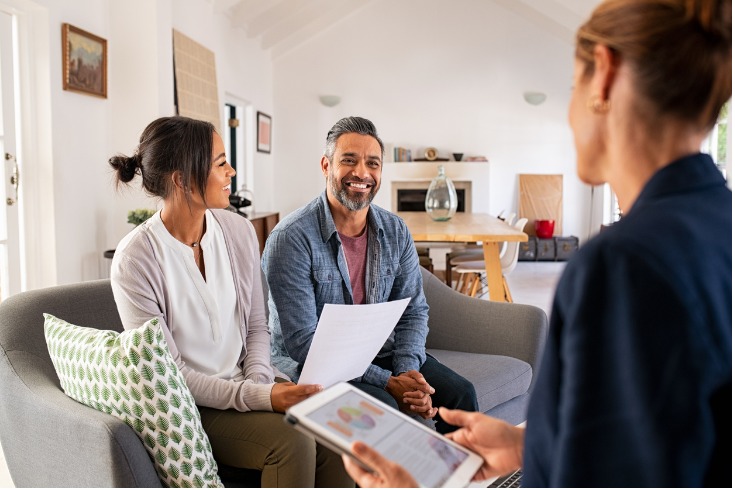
(340, 249)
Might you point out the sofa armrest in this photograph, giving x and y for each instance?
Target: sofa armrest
(54, 441)
(460, 323)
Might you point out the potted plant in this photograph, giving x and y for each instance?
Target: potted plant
(137, 216)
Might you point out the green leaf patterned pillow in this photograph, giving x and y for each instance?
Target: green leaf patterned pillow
(132, 376)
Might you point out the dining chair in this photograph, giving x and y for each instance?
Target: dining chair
(510, 220)
(470, 251)
(457, 257)
(471, 272)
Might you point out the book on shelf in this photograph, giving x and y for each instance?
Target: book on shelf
(401, 154)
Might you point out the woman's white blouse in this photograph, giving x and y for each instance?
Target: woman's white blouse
(205, 327)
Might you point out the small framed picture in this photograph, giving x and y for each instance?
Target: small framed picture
(264, 132)
(84, 57)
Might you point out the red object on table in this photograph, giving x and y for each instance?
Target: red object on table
(544, 228)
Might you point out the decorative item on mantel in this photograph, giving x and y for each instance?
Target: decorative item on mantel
(431, 154)
(457, 156)
(441, 197)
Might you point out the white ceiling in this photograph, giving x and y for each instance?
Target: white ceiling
(282, 25)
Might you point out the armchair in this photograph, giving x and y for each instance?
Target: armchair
(50, 440)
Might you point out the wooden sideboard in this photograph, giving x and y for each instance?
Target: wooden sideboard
(264, 224)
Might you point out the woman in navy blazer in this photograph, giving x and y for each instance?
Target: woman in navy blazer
(635, 385)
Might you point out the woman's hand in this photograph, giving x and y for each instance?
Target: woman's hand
(284, 395)
(386, 474)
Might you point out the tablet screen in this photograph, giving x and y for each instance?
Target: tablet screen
(427, 455)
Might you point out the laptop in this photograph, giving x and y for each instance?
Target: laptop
(512, 480)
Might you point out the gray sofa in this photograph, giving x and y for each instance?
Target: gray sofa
(496, 346)
(50, 440)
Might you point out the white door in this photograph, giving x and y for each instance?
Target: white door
(10, 269)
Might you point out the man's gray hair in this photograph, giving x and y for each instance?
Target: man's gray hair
(352, 124)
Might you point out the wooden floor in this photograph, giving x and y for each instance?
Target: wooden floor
(532, 283)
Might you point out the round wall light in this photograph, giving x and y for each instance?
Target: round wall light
(534, 98)
(329, 100)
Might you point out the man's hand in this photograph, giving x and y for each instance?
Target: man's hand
(284, 395)
(412, 393)
(387, 474)
(499, 443)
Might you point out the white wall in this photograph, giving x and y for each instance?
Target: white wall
(427, 72)
(90, 216)
(80, 146)
(433, 73)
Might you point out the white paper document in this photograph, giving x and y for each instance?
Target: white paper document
(347, 339)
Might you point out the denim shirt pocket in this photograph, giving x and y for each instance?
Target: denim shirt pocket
(328, 285)
(389, 273)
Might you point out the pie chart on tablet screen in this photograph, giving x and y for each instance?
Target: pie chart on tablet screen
(356, 418)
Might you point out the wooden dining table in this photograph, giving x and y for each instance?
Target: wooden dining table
(465, 228)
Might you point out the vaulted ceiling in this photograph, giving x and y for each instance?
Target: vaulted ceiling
(282, 25)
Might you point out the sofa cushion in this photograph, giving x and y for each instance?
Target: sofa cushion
(497, 379)
(132, 376)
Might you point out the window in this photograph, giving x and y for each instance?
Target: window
(716, 143)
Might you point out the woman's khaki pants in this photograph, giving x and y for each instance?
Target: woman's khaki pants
(263, 441)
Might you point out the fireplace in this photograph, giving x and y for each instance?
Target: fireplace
(410, 195)
(470, 178)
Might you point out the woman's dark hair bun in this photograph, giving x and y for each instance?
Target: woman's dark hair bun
(126, 167)
(712, 16)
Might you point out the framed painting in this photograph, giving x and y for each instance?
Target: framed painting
(84, 57)
(264, 132)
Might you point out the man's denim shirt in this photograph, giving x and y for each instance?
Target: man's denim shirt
(305, 268)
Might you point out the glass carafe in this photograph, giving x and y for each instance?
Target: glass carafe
(441, 198)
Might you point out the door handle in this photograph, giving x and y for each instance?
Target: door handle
(14, 179)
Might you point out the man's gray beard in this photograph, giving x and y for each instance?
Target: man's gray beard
(344, 198)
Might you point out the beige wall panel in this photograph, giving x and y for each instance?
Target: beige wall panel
(196, 80)
(540, 197)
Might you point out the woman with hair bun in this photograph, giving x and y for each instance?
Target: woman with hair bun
(635, 386)
(196, 267)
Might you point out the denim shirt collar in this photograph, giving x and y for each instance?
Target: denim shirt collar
(375, 238)
(329, 229)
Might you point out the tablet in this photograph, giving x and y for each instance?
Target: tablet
(342, 414)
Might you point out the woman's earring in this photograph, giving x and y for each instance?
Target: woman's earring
(597, 105)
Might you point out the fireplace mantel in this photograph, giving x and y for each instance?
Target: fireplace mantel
(478, 173)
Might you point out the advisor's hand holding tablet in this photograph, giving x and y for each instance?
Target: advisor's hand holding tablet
(411, 454)
(386, 475)
(499, 443)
